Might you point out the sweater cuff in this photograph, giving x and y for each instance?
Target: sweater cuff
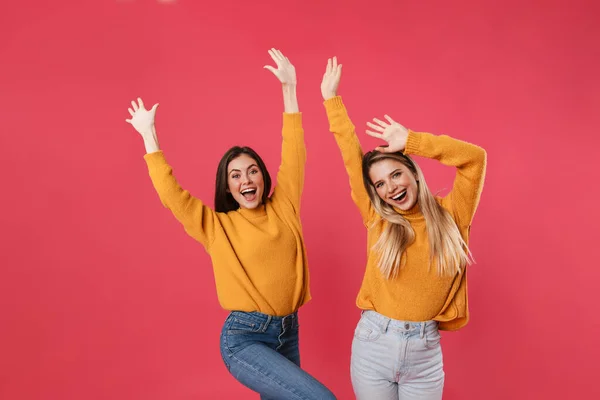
(334, 103)
(412, 143)
(155, 159)
(293, 120)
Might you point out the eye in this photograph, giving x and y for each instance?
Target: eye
(235, 176)
(397, 175)
(378, 185)
(254, 172)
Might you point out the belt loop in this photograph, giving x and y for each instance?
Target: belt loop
(423, 329)
(386, 324)
(266, 323)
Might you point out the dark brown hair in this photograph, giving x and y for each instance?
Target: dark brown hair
(224, 201)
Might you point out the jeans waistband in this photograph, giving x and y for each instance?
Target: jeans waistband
(290, 320)
(385, 323)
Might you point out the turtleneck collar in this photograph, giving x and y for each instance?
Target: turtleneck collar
(413, 213)
(259, 211)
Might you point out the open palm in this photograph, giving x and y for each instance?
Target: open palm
(141, 119)
(331, 79)
(285, 71)
(392, 132)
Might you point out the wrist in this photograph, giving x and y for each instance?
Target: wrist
(328, 96)
(288, 87)
(290, 101)
(147, 136)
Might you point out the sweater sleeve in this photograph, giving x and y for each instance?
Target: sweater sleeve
(290, 178)
(345, 135)
(197, 219)
(470, 162)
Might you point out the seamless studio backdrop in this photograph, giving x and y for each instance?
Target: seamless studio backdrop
(104, 296)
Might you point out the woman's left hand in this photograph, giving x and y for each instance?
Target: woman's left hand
(285, 71)
(392, 132)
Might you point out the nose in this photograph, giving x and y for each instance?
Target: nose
(391, 187)
(248, 178)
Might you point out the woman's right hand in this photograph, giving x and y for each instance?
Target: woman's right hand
(331, 79)
(141, 119)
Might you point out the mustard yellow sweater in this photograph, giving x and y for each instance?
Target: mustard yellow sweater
(418, 293)
(258, 256)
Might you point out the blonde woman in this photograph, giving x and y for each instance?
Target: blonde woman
(415, 282)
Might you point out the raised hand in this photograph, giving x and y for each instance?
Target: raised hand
(285, 71)
(331, 79)
(392, 132)
(141, 119)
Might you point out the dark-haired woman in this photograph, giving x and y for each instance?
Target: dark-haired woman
(256, 246)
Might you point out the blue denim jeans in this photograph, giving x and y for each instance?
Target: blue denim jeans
(261, 351)
(396, 360)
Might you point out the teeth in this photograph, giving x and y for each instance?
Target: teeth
(248, 191)
(399, 195)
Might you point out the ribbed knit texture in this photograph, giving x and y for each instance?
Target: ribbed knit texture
(258, 255)
(418, 293)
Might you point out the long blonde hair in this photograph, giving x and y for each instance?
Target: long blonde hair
(447, 249)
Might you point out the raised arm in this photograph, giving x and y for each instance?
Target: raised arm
(468, 159)
(197, 219)
(290, 178)
(345, 135)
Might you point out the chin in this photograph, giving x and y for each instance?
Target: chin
(406, 208)
(249, 206)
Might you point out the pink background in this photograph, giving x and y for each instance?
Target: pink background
(102, 294)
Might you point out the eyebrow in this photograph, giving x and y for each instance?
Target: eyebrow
(237, 170)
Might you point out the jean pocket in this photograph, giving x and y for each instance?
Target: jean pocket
(240, 325)
(367, 331)
(432, 340)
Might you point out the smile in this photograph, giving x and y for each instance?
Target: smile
(249, 194)
(400, 196)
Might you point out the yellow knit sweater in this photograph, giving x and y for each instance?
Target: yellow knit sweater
(418, 293)
(258, 255)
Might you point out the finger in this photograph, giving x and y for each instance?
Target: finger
(128, 121)
(154, 107)
(274, 57)
(390, 120)
(380, 122)
(383, 149)
(273, 70)
(276, 53)
(329, 66)
(130, 112)
(140, 102)
(338, 74)
(374, 134)
(134, 105)
(334, 63)
(376, 127)
(280, 54)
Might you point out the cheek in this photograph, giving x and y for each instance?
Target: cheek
(259, 181)
(381, 192)
(231, 186)
(415, 187)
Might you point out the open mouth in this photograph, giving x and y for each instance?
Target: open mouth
(249, 194)
(400, 196)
